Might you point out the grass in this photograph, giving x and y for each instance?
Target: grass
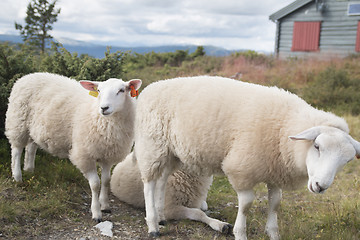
(49, 193)
(56, 197)
(333, 84)
(57, 191)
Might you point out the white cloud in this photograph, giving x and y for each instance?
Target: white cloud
(232, 24)
(185, 25)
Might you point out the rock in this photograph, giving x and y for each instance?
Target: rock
(105, 228)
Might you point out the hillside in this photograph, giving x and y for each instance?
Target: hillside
(97, 51)
(54, 201)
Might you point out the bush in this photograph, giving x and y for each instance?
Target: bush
(15, 62)
(19, 60)
(331, 85)
(334, 89)
(83, 67)
(254, 57)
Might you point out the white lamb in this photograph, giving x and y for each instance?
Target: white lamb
(57, 114)
(185, 193)
(214, 124)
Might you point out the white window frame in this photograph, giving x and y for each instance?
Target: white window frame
(353, 14)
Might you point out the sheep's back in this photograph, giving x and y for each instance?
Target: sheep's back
(186, 189)
(126, 183)
(199, 118)
(217, 124)
(45, 104)
(182, 189)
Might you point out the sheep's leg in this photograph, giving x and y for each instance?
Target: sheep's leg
(104, 191)
(245, 199)
(94, 183)
(151, 213)
(160, 188)
(30, 152)
(152, 162)
(271, 228)
(182, 212)
(204, 206)
(16, 163)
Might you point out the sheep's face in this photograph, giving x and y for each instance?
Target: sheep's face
(112, 94)
(330, 150)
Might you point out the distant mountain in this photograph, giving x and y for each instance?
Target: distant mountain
(10, 38)
(98, 51)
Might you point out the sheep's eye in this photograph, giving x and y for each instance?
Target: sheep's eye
(121, 90)
(316, 146)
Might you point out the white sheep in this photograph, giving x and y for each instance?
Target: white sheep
(214, 124)
(57, 114)
(185, 193)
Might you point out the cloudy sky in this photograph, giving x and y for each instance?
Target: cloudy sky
(231, 24)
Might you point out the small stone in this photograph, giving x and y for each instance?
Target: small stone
(105, 228)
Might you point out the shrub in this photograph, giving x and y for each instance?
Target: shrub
(15, 62)
(334, 89)
(19, 60)
(64, 63)
(254, 57)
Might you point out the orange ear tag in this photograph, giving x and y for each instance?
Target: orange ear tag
(133, 91)
(94, 93)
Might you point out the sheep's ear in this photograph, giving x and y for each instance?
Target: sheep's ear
(135, 82)
(356, 145)
(309, 134)
(89, 85)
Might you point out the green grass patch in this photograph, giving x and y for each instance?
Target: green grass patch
(53, 191)
(57, 193)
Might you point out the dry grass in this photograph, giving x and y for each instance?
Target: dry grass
(292, 73)
(54, 202)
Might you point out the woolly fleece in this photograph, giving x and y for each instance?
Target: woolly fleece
(58, 115)
(182, 189)
(214, 124)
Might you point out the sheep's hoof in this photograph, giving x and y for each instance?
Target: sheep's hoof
(106, 211)
(227, 229)
(162, 222)
(17, 179)
(154, 234)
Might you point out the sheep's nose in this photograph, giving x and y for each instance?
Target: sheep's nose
(321, 189)
(104, 108)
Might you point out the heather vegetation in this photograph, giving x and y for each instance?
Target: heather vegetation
(52, 199)
(331, 84)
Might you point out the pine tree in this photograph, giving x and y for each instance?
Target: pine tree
(40, 16)
(199, 52)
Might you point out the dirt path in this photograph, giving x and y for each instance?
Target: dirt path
(128, 223)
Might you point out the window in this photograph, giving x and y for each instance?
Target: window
(354, 9)
(357, 46)
(306, 36)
